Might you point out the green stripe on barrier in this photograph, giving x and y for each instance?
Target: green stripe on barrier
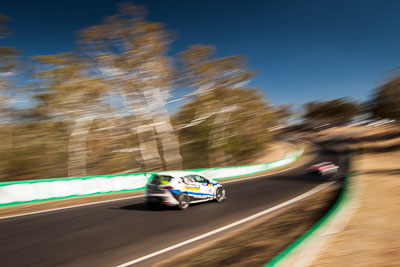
(266, 169)
(343, 199)
(147, 176)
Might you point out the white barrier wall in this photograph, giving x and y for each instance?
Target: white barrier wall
(229, 172)
(21, 192)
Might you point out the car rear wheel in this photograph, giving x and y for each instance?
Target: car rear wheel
(183, 202)
(220, 194)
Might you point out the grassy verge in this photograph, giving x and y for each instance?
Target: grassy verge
(258, 242)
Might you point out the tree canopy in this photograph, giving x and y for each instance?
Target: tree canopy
(233, 122)
(338, 110)
(385, 102)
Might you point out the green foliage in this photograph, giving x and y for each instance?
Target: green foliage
(242, 136)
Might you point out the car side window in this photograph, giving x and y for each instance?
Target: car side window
(185, 180)
(196, 178)
(189, 179)
(200, 179)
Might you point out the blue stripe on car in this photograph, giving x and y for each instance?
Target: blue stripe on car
(177, 191)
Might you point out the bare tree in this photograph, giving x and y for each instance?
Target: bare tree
(71, 93)
(334, 111)
(210, 78)
(234, 130)
(130, 52)
(8, 63)
(385, 101)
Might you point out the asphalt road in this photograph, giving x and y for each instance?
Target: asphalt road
(113, 233)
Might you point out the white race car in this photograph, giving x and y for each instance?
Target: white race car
(323, 168)
(180, 188)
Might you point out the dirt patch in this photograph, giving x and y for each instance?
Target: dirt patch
(275, 151)
(258, 242)
(372, 236)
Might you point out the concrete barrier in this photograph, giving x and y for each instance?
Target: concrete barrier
(22, 192)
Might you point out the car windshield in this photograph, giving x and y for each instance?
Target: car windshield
(161, 179)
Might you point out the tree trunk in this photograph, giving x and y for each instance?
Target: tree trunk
(6, 142)
(217, 140)
(169, 143)
(77, 148)
(148, 147)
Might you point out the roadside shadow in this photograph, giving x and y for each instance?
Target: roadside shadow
(365, 149)
(144, 207)
(389, 172)
(313, 178)
(370, 138)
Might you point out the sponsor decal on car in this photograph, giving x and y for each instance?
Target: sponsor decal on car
(192, 187)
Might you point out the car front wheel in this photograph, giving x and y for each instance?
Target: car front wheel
(220, 194)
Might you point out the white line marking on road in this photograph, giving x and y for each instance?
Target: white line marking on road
(70, 207)
(218, 230)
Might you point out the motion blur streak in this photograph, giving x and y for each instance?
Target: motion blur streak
(128, 95)
(104, 108)
(129, 230)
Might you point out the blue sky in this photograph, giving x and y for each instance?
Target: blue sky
(302, 50)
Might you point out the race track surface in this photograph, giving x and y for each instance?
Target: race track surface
(113, 233)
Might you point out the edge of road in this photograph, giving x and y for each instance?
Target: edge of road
(240, 222)
(304, 250)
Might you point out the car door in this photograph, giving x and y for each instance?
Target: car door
(206, 188)
(192, 188)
